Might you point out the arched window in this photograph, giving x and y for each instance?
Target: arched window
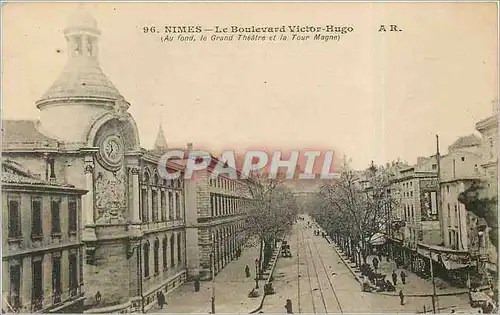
(156, 256)
(145, 197)
(179, 249)
(146, 259)
(164, 247)
(172, 251)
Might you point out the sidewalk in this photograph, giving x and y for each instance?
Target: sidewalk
(231, 290)
(414, 284)
(417, 291)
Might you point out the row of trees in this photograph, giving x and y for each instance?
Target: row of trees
(271, 211)
(356, 207)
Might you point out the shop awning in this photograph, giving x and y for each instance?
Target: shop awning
(378, 239)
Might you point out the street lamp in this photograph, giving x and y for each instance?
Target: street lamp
(256, 273)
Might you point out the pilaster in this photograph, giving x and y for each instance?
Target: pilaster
(88, 234)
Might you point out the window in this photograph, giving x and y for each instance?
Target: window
(434, 166)
(15, 286)
(56, 278)
(449, 212)
(463, 158)
(14, 219)
(73, 274)
(56, 215)
(165, 248)
(146, 260)
(163, 206)
(179, 249)
(212, 204)
(36, 217)
(156, 257)
(171, 205)
(72, 215)
(154, 197)
(456, 214)
(37, 297)
(172, 251)
(145, 205)
(447, 189)
(177, 206)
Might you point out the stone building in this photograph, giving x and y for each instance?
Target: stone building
(42, 252)
(215, 221)
(489, 150)
(133, 226)
(416, 211)
(488, 128)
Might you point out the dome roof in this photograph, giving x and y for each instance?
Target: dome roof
(82, 77)
(466, 141)
(81, 19)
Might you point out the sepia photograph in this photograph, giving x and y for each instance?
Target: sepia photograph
(249, 157)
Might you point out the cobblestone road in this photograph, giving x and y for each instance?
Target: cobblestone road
(317, 281)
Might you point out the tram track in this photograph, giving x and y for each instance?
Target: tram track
(329, 279)
(321, 274)
(301, 247)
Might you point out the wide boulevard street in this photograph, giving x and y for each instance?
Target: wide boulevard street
(316, 280)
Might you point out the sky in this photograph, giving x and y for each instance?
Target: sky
(372, 96)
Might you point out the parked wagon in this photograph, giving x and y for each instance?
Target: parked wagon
(285, 251)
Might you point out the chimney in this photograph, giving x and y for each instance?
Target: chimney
(190, 146)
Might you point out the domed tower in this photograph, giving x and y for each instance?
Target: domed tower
(82, 92)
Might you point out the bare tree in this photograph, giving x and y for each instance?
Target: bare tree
(271, 211)
(356, 206)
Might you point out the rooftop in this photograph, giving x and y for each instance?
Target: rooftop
(23, 131)
(466, 141)
(14, 173)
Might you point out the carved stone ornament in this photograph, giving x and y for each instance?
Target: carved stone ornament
(89, 168)
(132, 244)
(110, 197)
(134, 170)
(121, 107)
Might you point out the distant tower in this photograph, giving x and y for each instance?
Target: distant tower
(82, 91)
(161, 142)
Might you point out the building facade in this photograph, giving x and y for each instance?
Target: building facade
(42, 252)
(132, 221)
(215, 224)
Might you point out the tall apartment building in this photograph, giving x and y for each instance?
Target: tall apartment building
(42, 252)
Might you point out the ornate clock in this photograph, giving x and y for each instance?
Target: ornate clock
(111, 152)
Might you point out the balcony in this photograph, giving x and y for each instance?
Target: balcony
(57, 299)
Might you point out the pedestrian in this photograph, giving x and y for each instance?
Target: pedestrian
(375, 263)
(161, 299)
(401, 297)
(288, 306)
(247, 271)
(98, 297)
(380, 255)
(403, 277)
(394, 277)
